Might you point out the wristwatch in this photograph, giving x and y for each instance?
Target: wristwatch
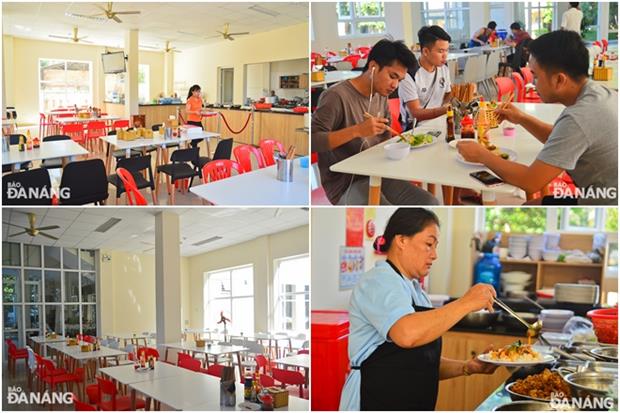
(465, 371)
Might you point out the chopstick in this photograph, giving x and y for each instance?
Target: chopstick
(291, 152)
(368, 116)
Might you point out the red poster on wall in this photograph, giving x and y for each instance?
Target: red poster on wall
(355, 227)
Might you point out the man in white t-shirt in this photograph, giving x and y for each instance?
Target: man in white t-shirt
(571, 18)
(426, 95)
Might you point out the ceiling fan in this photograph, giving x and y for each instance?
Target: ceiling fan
(74, 38)
(107, 13)
(166, 49)
(226, 35)
(33, 230)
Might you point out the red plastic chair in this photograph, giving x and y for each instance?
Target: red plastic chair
(520, 85)
(109, 400)
(290, 377)
(80, 406)
(261, 363)
(354, 59)
(303, 351)
(190, 363)
(267, 148)
(243, 154)
(504, 87)
(45, 126)
(266, 381)
(15, 354)
(364, 51)
(75, 131)
(134, 197)
(316, 58)
(120, 124)
(214, 370)
(53, 376)
(219, 169)
(394, 105)
(94, 130)
(530, 91)
(148, 352)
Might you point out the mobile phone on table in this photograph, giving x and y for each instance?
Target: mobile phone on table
(486, 178)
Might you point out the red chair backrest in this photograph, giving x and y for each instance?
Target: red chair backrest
(189, 363)
(504, 87)
(81, 406)
(266, 381)
(354, 58)
(96, 128)
(364, 51)
(74, 130)
(107, 388)
(261, 361)
(215, 370)
(120, 124)
(520, 85)
(219, 169)
(243, 155)
(65, 115)
(528, 76)
(89, 339)
(303, 351)
(148, 351)
(182, 356)
(288, 376)
(267, 148)
(133, 194)
(394, 105)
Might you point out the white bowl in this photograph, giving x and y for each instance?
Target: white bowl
(553, 313)
(515, 277)
(551, 255)
(397, 150)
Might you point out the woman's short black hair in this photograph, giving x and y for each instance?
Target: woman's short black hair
(385, 52)
(405, 221)
(574, 4)
(492, 25)
(515, 26)
(428, 35)
(563, 51)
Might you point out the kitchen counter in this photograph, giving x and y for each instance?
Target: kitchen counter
(256, 110)
(499, 397)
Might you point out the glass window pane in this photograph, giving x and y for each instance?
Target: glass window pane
(582, 217)
(32, 255)
(10, 254)
(343, 8)
(70, 258)
(32, 286)
(87, 260)
(89, 319)
(72, 320)
(519, 220)
(89, 294)
(52, 287)
(611, 219)
(243, 314)
(33, 317)
(11, 285)
(344, 28)
(219, 285)
(52, 257)
(53, 319)
(369, 9)
(12, 317)
(72, 286)
(215, 308)
(243, 281)
(373, 27)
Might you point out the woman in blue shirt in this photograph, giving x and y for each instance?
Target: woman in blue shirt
(395, 334)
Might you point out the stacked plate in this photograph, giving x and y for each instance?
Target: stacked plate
(517, 246)
(576, 293)
(553, 321)
(552, 241)
(515, 282)
(536, 247)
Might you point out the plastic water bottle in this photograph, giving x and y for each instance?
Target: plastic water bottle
(487, 270)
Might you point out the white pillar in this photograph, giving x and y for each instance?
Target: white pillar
(131, 78)
(168, 73)
(167, 278)
(603, 21)
(8, 97)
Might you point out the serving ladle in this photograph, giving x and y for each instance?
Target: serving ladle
(533, 330)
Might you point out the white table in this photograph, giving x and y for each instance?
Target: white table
(336, 76)
(127, 374)
(438, 164)
(77, 119)
(133, 338)
(42, 341)
(214, 350)
(258, 187)
(298, 360)
(48, 150)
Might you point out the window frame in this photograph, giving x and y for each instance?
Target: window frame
(280, 298)
(535, 5)
(448, 9)
(354, 19)
(66, 61)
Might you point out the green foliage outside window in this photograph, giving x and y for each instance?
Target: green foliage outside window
(516, 220)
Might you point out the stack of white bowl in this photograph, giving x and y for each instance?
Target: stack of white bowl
(517, 246)
(536, 247)
(551, 255)
(515, 282)
(576, 293)
(553, 321)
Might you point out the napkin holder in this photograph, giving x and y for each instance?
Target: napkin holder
(280, 396)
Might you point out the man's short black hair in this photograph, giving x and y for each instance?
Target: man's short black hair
(574, 4)
(492, 25)
(385, 52)
(515, 26)
(428, 35)
(562, 51)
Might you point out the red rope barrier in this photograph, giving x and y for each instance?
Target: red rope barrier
(242, 129)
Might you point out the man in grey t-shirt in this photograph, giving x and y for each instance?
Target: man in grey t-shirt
(584, 139)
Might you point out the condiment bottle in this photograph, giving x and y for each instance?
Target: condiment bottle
(483, 125)
(28, 141)
(449, 125)
(467, 128)
(36, 142)
(21, 146)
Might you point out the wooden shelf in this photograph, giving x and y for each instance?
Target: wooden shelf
(572, 264)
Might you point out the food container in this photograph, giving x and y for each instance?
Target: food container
(524, 406)
(576, 293)
(284, 169)
(591, 383)
(317, 76)
(85, 348)
(396, 151)
(200, 343)
(609, 354)
(510, 130)
(605, 322)
(262, 106)
(280, 396)
(482, 318)
(514, 396)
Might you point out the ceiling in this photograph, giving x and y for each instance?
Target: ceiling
(135, 233)
(186, 25)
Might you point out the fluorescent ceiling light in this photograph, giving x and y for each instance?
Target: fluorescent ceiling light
(261, 9)
(206, 241)
(108, 224)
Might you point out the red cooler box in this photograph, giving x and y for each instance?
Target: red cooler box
(330, 358)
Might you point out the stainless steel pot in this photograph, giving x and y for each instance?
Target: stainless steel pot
(478, 319)
(524, 406)
(514, 396)
(591, 383)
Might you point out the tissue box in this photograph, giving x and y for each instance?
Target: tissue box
(602, 73)
(317, 76)
(191, 131)
(280, 396)
(85, 348)
(200, 343)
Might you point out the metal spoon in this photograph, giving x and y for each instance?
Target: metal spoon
(532, 329)
(534, 302)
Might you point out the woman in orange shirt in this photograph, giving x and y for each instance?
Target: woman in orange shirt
(193, 108)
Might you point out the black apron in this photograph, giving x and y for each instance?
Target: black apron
(395, 378)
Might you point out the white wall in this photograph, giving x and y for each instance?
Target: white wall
(257, 80)
(451, 272)
(287, 68)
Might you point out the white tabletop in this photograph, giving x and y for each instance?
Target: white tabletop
(157, 140)
(128, 336)
(337, 76)
(298, 360)
(213, 350)
(75, 119)
(258, 187)
(212, 391)
(44, 340)
(47, 150)
(75, 352)
(438, 163)
(127, 374)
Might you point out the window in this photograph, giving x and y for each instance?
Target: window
(531, 220)
(292, 294)
(589, 29)
(539, 220)
(452, 16)
(613, 20)
(360, 18)
(230, 292)
(144, 72)
(539, 17)
(115, 85)
(64, 83)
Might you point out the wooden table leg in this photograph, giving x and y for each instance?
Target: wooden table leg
(240, 365)
(448, 194)
(432, 188)
(374, 190)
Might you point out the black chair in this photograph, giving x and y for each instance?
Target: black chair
(14, 140)
(222, 151)
(135, 165)
(56, 162)
(31, 187)
(154, 128)
(84, 182)
(178, 169)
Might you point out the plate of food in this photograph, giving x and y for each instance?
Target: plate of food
(419, 140)
(539, 387)
(503, 153)
(516, 354)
